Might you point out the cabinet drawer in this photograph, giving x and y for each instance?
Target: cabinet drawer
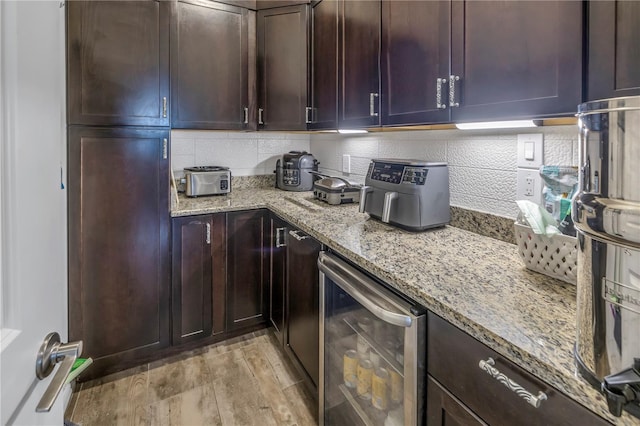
(453, 359)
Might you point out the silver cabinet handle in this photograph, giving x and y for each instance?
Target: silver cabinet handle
(208, 233)
(165, 148)
(307, 115)
(372, 104)
(279, 239)
(389, 197)
(452, 90)
(295, 235)
(164, 107)
(246, 115)
(522, 392)
(439, 83)
(260, 111)
(364, 190)
(51, 353)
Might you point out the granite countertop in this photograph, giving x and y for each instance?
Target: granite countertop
(477, 283)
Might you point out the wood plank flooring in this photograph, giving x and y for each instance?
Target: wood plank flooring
(243, 381)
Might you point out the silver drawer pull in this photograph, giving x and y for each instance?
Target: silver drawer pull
(439, 83)
(295, 235)
(522, 392)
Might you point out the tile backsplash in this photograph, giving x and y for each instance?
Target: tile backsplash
(246, 153)
(482, 164)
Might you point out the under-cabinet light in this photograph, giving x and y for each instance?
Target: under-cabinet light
(351, 131)
(498, 124)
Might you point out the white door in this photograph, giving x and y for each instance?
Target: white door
(33, 278)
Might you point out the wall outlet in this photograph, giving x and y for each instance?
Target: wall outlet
(529, 186)
(530, 150)
(346, 163)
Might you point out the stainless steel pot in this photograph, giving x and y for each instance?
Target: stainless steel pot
(606, 213)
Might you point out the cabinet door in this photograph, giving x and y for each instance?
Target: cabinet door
(415, 54)
(324, 65)
(209, 66)
(118, 62)
(194, 303)
(278, 277)
(119, 262)
(302, 301)
(359, 68)
(247, 260)
(528, 63)
(614, 52)
(282, 68)
(445, 409)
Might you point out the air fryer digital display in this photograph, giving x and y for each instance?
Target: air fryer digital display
(398, 173)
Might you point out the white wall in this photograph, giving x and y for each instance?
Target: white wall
(482, 164)
(246, 153)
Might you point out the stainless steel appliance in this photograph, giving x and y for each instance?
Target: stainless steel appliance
(372, 353)
(606, 213)
(411, 194)
(335, 190)
(207, 180)
(293, 171)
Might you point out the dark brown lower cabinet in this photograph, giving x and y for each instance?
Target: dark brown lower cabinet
(278, 276)
(119, 263)
(444, 409)
(453, 359)
(247, 268)
(303, 301)
(198, 282)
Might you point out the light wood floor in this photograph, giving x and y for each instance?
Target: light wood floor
(242, 381)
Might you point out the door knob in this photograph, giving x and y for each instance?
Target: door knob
(51, 353)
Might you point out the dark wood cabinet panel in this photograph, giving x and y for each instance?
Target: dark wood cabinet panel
(614, 51)
(303, 317)
(278, 276)
(247, 268)
(119, 263)
(268, 4)
(359, 64)
(209, 65)
(528, 65)
(282, 68)
(323, 85)
(444, 409)
(415, 53)
(489, 399)
(118, 63)
(194, 303)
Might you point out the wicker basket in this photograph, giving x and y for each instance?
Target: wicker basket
(553, 256)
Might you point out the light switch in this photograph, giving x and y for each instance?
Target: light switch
(530, 150)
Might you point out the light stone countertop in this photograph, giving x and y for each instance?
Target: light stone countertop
(477, 283)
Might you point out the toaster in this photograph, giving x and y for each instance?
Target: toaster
(410, 194)
(207, 180)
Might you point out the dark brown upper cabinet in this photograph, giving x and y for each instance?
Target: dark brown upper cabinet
(416, 39)
(209, 66)
(323, 77)
(199, 281)
(119, 261)
(118, 63)
(515, 59)
(282, 68)
(614, 51)
(359, 64)
(247, 268)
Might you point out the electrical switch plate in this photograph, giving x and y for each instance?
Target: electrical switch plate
(346, 163)
(530, 150)
(529, 186)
